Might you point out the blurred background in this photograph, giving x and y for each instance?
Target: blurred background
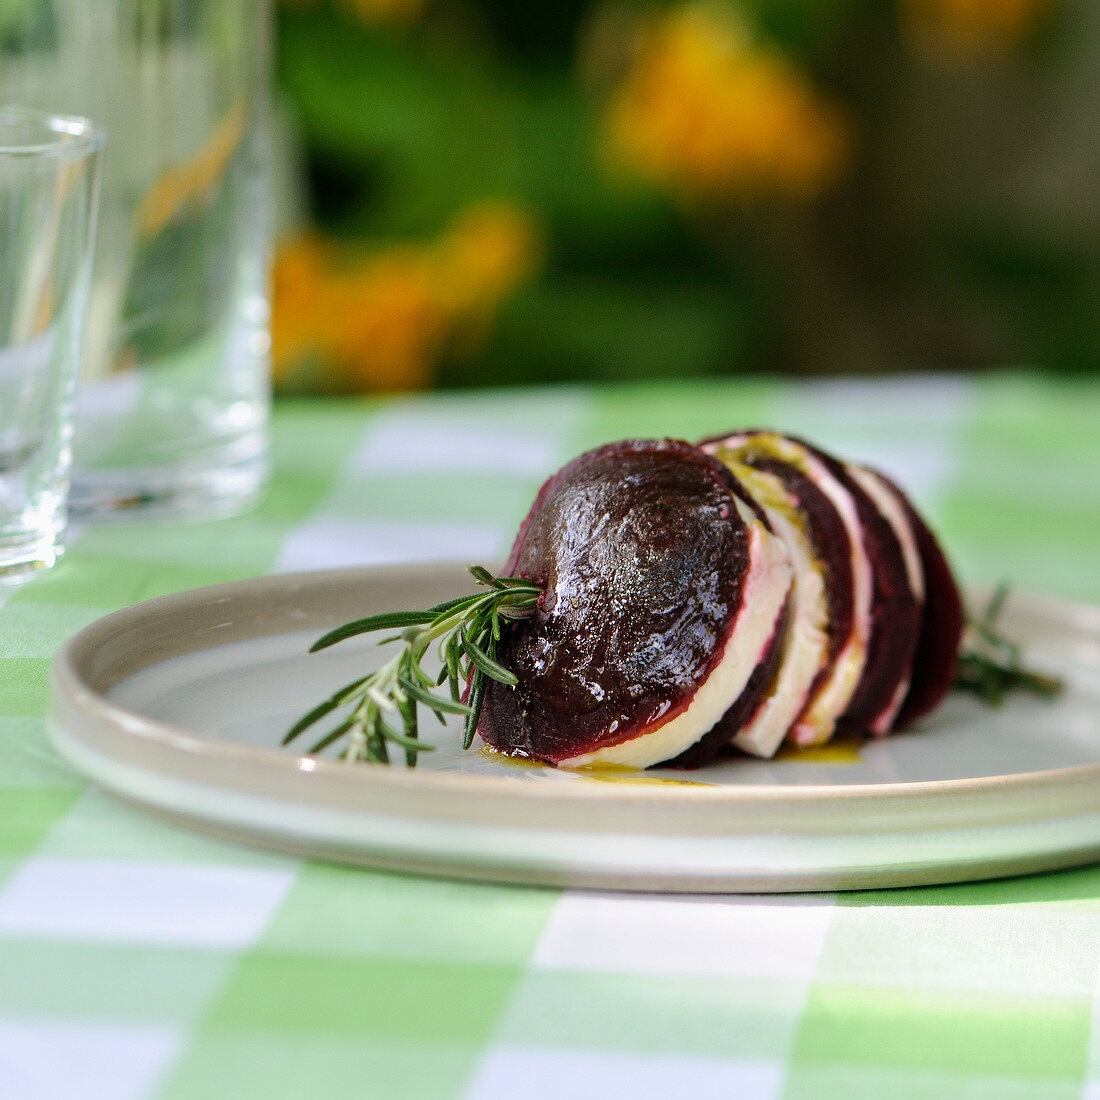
(498, 191)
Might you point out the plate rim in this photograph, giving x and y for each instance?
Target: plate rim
(69, 688)
(635, 836)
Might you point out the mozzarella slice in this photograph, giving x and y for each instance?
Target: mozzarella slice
(887, 502)
(806, 640)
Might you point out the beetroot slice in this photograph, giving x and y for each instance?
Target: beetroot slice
(644, 557)
(832, 548)
(937, 654)
(828, 536)
(895, 609)
(744, 706)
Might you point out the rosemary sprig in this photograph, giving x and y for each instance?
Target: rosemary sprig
(381, 708)
(990, 665)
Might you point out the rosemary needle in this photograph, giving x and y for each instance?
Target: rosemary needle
(381, 708)
(990, 665)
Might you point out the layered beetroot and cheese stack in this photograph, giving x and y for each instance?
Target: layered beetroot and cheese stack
(742, 592)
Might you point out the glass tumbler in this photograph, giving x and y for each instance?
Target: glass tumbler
(173, 408)
(49, 179)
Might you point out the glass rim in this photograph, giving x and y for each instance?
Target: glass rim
(58, 134)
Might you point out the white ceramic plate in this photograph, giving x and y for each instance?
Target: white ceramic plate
(180, 703)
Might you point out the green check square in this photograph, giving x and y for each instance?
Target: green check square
(316, 435)
(310, 445)
(1033, 544)
(28, 813)
(24, 685)
(953, 1031)
(1024, 414)
(293, 497)
(672, 409)
(227, 549)
(366, 914)
(36, 630)
(340, 996)
(290, 1067)
(29, 760)
(107, 582)
(1067, 891)
(57, 979)
(85, 580)
(1013, 512)
(819, 1082)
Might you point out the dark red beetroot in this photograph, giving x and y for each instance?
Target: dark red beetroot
(644, 557)
(942, 620)
(895, 610)
(829, 539)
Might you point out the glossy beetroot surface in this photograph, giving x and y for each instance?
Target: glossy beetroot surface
(643, 556)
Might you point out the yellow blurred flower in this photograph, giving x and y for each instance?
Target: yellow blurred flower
(382, 320)
(490, 249)
(963, 29)
(298, 293)
(708, 114)
(388, 322)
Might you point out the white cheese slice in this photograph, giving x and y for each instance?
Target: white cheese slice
(886, 501)
(765, 590)
(804, 645)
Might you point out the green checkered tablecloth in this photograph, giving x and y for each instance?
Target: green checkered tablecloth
(138, 960)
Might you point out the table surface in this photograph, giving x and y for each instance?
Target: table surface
(138, 960)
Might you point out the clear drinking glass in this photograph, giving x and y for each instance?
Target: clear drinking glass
(49, 180)
(173, 407)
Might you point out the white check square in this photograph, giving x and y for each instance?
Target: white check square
(507, 1073)
(216, 907)
(749, 937)
(336, 544)
(57, 1061)
(417, 443)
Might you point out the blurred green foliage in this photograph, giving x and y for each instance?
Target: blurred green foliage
(404, 128)
(948, 244)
